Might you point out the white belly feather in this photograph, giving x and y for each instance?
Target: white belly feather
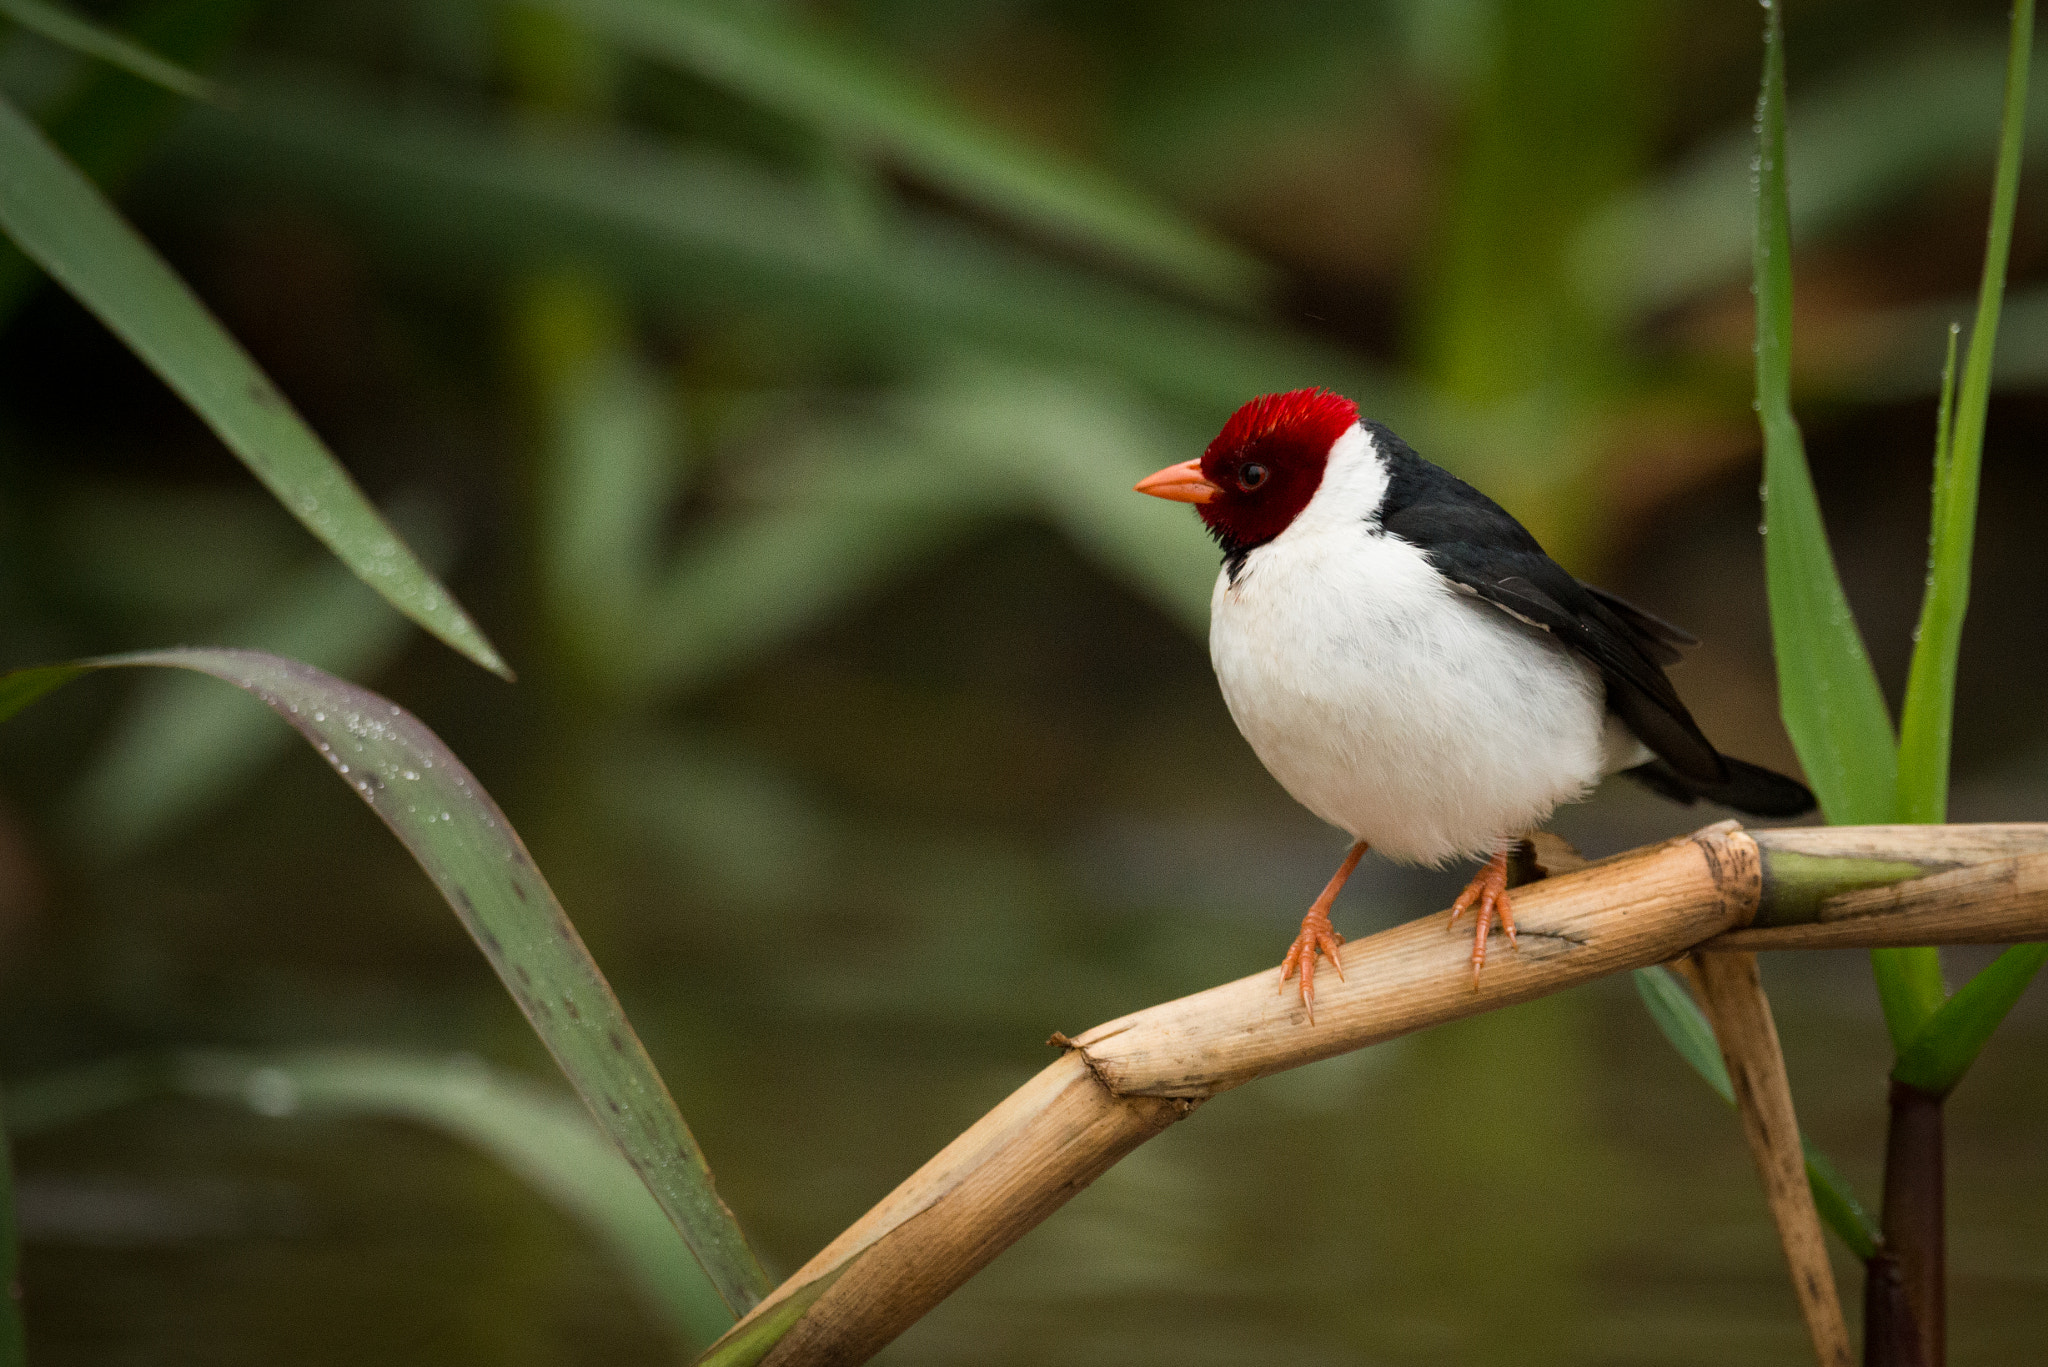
(1415, 717)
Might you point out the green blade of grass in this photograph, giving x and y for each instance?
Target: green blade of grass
(1832, 705)
(1949, 1043)
(1926, 721)
(1910, 980)
(1685, 1027)
(62, 222)
(82, 35)
(544, 1138)
(13, 1338)
(860, 102)
(467, 847)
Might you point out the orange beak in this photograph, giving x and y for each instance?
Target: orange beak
(1183, 483)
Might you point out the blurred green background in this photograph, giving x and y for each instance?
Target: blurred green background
(769, 381)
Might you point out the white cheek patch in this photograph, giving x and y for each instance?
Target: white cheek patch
(1353, 488)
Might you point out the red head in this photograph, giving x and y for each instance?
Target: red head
(1262, 469)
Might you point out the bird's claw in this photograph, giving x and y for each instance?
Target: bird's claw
(1316, 935)
(1487, 896)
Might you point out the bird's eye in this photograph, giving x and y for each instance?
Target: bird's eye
(1251, 476)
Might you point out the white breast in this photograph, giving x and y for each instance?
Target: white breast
(1411, 715)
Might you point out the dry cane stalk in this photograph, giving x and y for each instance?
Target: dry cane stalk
(1126, 1080)
(1732, 992)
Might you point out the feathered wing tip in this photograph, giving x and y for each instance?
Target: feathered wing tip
(1749, 788)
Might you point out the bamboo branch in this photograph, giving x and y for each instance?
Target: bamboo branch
(1732, 992)
(1124, 1081)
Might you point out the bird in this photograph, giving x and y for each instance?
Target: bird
(1413, 667)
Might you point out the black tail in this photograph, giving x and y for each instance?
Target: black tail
(1748, 788)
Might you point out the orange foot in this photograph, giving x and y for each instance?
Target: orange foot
(1318, 935)
(1488, 891)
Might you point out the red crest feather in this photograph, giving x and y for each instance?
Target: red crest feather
(1311, 418)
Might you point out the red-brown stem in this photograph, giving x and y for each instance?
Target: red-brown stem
(1891, 1337)
(1914, 1235)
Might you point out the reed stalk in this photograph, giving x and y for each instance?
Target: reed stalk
(1115, 1086)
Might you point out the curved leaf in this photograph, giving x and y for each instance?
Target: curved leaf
(61, 221)
(106, 122)
(465, 844)
(863, 104)
(182, 744)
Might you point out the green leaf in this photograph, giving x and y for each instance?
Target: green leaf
(465, 844)
(1910, 984)
(81, 35)
(1927, 720)
(1836, 1201)
(1686, 1028)
(1949, 1043)
(1910, 980)
(1828, 691)
(544, 1138)
(61, 221)
(108, 121)
(23, 686)
(860, 102)
(13, 1338)
(183, 743)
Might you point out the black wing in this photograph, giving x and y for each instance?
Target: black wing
(1476, 544)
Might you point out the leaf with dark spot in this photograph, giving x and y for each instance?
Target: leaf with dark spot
(463, 841)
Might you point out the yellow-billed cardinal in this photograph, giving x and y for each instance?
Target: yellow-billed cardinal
(1412, 667)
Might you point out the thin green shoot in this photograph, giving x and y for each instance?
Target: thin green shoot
(1909, 980)
(1927, 720)
(1949, 1043)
